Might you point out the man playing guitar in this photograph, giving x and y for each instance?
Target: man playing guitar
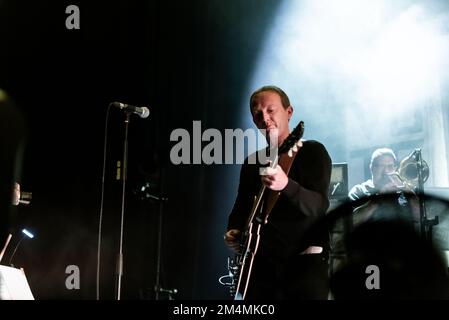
(288, 263)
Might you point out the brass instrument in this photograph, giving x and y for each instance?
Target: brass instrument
(409, 178)
(407, 175)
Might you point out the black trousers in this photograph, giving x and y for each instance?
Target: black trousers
(301, 277)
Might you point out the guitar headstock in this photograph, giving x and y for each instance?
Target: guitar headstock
(293, 141)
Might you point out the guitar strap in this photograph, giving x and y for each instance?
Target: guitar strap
(285, 162)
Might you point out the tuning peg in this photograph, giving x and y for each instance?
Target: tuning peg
(299, 143)
(290, 153)
(295, 148)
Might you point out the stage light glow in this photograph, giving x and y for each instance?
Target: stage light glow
(403, 64)
(355, 64)
(27, 233)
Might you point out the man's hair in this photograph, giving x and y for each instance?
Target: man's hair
(284, 98)
(382, 152)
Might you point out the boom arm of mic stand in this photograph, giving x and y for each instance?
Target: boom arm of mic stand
(156, 198)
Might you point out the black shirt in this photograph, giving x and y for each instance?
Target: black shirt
(303, 201)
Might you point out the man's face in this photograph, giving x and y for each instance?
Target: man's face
(382, 166)
(268, 113)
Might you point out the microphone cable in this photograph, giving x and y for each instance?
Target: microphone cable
(100, 217)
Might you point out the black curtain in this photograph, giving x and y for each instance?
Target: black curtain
(187, 60)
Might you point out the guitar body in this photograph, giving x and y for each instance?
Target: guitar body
(262, 206)
(246, 261)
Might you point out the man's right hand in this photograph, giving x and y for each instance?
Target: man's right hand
(232, 239)
(388, 188)
(390, 183)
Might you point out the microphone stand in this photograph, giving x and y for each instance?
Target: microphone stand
(15, 250)
(425, 223)
(157, 287)
(124, 178)
(158, 290)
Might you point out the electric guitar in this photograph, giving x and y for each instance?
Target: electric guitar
(241, 267)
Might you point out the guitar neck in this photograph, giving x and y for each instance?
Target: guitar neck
(258, 199)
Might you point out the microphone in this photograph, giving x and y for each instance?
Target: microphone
(142, 112)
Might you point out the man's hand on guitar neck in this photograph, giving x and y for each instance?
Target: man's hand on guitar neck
(232, 239)
(274, 178)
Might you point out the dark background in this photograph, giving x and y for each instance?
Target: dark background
(187, 60)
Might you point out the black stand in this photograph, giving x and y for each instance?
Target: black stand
(124, 177)
(15, 250)
(426, 224)
(158, 290)
(157, 287)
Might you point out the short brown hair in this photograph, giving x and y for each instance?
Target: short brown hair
(284, 98)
